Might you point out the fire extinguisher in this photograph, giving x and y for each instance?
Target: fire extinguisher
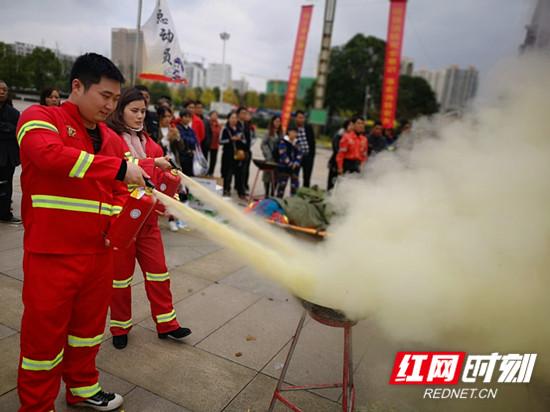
(135, 212)
(168, 183)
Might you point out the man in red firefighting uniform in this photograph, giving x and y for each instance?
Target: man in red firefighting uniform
(353, 148)
(67, 183)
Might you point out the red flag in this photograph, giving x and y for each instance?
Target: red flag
(394, 43)
(297, 62)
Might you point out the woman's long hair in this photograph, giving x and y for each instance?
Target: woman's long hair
(271, 128)
(116, 120)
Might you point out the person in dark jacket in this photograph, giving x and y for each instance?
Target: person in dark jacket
(306, 142)
(332, 166)
(233, 156)
(290, 160)
(377, 140)
(188, 142)
(270, 150)
(9, 153)
(244, 126)
(205, 144)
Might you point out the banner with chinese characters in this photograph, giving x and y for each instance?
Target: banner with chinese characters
(394, 43)
(297, 62)
(162, 57)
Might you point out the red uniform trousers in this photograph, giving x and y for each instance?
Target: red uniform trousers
(66, 299)
(149, 251)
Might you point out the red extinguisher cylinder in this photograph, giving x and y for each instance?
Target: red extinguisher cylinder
(126, 226)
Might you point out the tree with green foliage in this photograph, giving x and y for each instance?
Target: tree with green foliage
(37, 70)
(251, 99)
(217, 92)
(416, 98)
(44, 69)
(229, 96)
(273, 101)
(158, 89)
(353, 66)
(207, 97)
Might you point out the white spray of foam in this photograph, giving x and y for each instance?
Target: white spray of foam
(451, 236)
(445, 240)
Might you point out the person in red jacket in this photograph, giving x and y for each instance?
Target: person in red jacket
(197, 123)
(353, 148)
(127, 121)
(67, 182)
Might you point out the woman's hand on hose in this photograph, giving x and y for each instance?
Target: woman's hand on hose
(163, 163)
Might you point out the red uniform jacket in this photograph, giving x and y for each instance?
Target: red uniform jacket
(352, 147)
(67, 189)
(198, 127)
(152, 150)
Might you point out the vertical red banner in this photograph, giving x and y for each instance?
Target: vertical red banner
(392, 63)
(297, 62)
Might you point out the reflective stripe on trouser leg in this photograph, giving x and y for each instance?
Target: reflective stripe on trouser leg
(86, 328)
(150, 255)
(121, 302)
(86, 391)
(51, 285)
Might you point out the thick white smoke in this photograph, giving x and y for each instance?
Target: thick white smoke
(450, 235)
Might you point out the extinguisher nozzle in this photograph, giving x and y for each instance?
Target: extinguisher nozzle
(174, 165)
(148, 183)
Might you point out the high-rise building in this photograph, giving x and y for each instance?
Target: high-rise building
(538, 31)
(218, 75)
(240, 85)
(407, 66)
(123, 45)
(195, 73)
(453, 87)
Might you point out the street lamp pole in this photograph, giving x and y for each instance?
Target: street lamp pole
(224, 36)
(136, 46)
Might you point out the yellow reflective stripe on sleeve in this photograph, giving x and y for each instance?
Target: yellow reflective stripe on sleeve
(82, 165)
(34, 124)
(166, 317)
(86, 391)
(41, 365)
(77, 342)
(65, 203)
(121, 324)
(106, 209)
(157, 277)
(121, 284)
(116, 210)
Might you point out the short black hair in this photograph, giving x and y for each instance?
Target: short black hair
(186, 113)
(89, 68)
(292, 129)
(356, 117)
(161, 111)
(297, 112)
(197, 102)
(188, 102)
(240, 109)
(142, 88)
(377, 123)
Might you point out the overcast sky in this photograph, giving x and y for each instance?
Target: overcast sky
(438, 33)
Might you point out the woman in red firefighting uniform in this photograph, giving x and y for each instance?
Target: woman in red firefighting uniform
(127, 121)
